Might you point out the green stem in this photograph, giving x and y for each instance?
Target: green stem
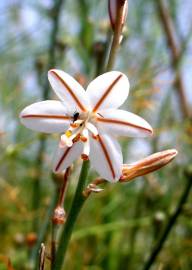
(53, 244)
(116, 37)
(172, 221)
(76, 206)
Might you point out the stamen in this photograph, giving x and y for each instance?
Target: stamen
(95, 137)
(71, 134)
(65, 141)
(68, 133)
(85, 133)
(86, 149)
(92, 128)
(76, 139)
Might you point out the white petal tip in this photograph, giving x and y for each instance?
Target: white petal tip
(51, 71)
(150, 131)
(172, 152)
(147, 129)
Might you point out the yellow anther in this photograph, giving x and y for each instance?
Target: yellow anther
(68, 133)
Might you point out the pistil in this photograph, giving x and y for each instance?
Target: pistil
(79, 130)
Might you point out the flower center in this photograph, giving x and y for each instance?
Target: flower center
(79, 130)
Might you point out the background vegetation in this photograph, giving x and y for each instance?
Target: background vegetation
(118, 228)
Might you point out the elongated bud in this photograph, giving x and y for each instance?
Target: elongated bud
(149, 164)
(113, 6)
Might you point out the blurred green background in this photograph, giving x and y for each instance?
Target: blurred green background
(117, 229)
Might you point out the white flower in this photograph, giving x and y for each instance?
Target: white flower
(88, 120)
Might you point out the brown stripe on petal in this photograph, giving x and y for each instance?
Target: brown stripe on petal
(107, 92)
(106, 156)
(70, 91)
(147, 165)
(47, 116)
(66, 152)
(160, 158)
(118, 122)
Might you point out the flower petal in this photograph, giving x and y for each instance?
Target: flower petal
(109, 90)
(46, 116)
(66, 155)
(123, 123)
(68, 90)
(106, 157)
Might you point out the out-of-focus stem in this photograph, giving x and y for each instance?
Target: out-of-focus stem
(43, 231)
(76, 206)
(168, 26)
(57, 4)
(117, 35)
(45, 95)
(172, 221)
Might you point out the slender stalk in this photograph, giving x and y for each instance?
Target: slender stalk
(59, 216)
(36, 195)
(170, 31)
(64, 187)
(116, 36)
(76, 206)
(172, 221)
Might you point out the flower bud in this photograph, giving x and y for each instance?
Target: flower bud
(31, 239)
(149, 164)
(113, 6)
(59, 215)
